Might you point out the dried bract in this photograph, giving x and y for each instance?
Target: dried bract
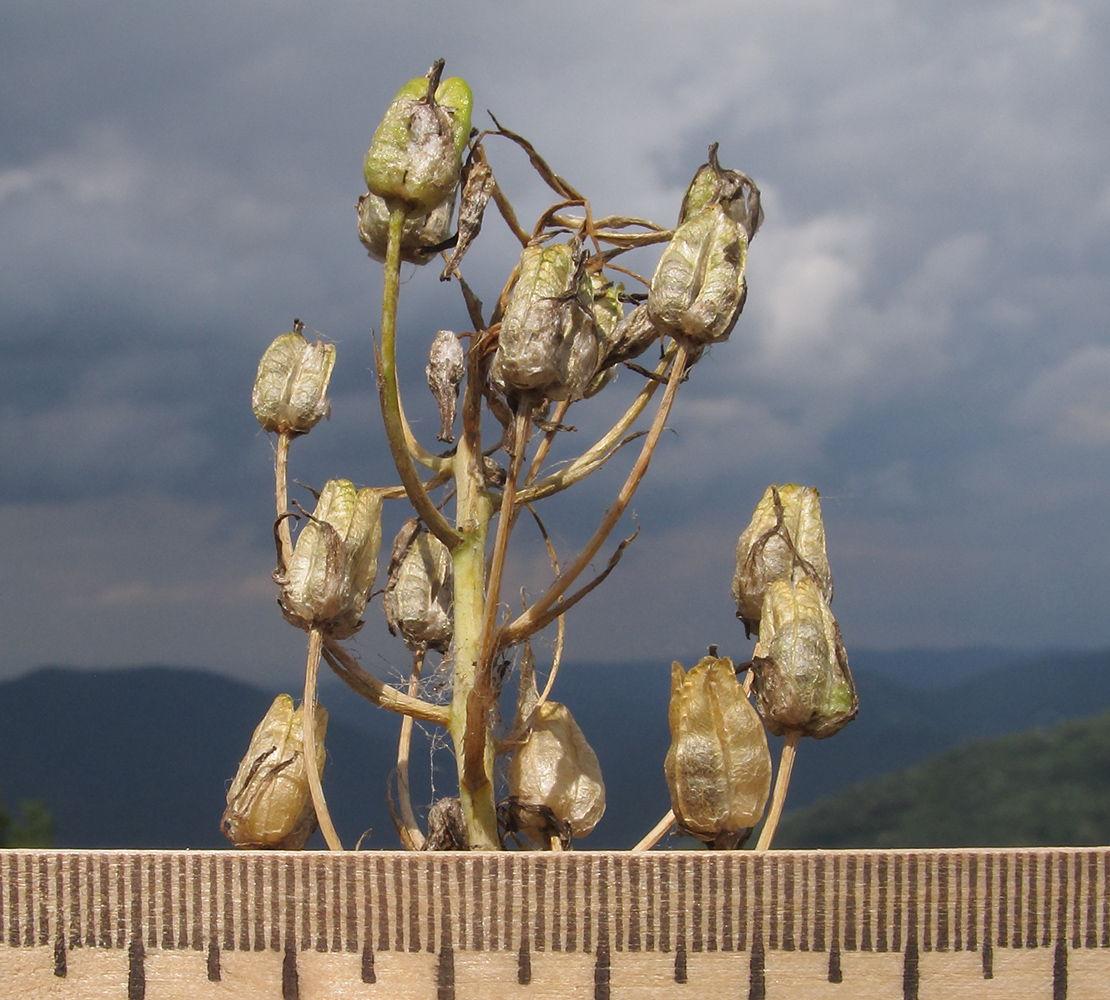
(290, 392)
(334, 562)
(632, 336)
(548, 343)
(269, 804)
(718, 766)
(445, 368)
(698, 289)
(478, 187)
(785, 540)
(802, 681)
(416, 153)
(418, 237)
(417, 598)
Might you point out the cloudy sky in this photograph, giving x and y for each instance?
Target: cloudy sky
(926, 338)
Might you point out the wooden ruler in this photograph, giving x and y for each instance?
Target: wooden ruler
(790, 924)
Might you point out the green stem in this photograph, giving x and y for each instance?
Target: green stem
(471, 697)
(390, 399)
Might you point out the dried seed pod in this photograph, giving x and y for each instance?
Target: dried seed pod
(478, 187)
(698, 289)
(291, 388)
(714, 185)
(417, 598)
(548, 342)
(555, 769)
(446, 827)
(785, 540)
(718, 766)
(419, 236)
(269, 804)
(334, 562)
(801, 681)
(446, 365)
(416, 153)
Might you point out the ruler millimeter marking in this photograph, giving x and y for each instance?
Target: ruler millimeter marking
(753, 917)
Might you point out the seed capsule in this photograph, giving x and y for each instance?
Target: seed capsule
(802, 681)
(291, 388)
(555, 771)
(269, 804)
(334, 562)
(418, 236)
(785, 540)
(416, 153)
(446, 365)
(698, 289)
(548, 342)
(417, 598)
(718, 766)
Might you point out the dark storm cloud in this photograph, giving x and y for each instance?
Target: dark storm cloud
(925, 338)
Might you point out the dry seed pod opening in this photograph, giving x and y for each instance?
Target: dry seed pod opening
(269, 804)
(718, 766)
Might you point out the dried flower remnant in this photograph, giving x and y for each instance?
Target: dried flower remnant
(446, 365)
(785, 540)
(801, 681)
(416, 153)
(420, 236)
(334, 562)
(290, 392)
(417, 598)
(268, 804)
(718, 766)
(736, 191)
(548, 344)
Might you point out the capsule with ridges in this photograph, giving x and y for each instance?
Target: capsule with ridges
(269, 804)
(334, 562)
(785, 540)
(415, 156)
(548, 343)
(417, 598)
(290, 391)
(718, 767)
(801, 680)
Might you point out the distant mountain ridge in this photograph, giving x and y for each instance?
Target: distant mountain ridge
(141, 757)
(1042, 787)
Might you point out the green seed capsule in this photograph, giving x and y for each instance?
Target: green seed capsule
(785, 540)
(548, 343)
(334, 562)
(291, 388)
(269, 804)
(801, 681)
(416, 153)
(718, 766)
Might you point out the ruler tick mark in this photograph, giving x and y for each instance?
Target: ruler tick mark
(290, 980)
(213, 962)
(136, 974)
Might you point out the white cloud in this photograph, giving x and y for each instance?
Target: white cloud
(1071, 401)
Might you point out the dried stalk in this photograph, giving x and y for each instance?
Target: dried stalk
(319, 803)
(656, 833)
(408, 828)
(778, 797)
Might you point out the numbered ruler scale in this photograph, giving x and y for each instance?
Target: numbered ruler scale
(254, 925)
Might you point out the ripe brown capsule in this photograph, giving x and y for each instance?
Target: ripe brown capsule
(718, 766)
